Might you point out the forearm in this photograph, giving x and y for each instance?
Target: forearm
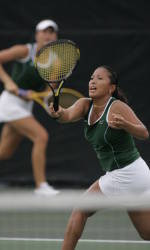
(137, 130)
(65, 116)
(72, 114)
(4, 77)
(8, 83)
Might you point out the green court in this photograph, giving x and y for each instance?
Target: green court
(106, 230)
(56, 245)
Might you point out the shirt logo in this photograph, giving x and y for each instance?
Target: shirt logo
(101, 122)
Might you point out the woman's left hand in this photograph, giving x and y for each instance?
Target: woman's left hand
(117, 121)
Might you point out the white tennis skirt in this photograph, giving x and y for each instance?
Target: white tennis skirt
(13, 107)
(134, 178)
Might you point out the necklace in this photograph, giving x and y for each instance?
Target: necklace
(98, 109)
(97, 106)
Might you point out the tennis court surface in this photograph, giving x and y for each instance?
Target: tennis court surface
(41, 225)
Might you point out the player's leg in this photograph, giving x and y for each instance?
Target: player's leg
(9, 141)
(76, 223)
(141, 221)
(33, 130)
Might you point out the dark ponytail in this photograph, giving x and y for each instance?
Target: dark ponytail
(118, 93)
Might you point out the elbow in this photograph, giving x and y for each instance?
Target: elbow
(145, 134)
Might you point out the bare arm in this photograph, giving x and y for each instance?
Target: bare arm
(121, 116)
(7, 55)
(74, 113)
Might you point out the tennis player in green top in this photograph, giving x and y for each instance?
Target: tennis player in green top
(16, 112)
(110, 125)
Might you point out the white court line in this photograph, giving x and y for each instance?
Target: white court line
(81, 240)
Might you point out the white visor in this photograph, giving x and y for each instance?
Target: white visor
(46, 24)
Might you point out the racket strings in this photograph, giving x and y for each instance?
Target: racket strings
(56, 62)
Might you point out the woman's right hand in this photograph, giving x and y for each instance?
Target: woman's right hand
(55, 114)
(11, 87)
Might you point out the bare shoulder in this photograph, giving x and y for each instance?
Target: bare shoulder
(14, 52)
(85, 102)
(120, 107)
(21, 50)
(82, 104)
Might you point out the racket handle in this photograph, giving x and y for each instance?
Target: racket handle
(56, 103)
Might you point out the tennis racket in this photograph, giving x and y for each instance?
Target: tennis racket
(67, 97)
(55, 63)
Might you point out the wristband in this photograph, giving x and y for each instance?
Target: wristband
(22, 92)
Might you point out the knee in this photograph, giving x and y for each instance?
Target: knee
(81, 215)
(78, 218)
(42, 138)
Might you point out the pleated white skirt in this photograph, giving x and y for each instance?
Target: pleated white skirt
(134, 178)
(13, 107)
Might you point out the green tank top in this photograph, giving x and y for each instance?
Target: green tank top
(24, 73)
(115, 148)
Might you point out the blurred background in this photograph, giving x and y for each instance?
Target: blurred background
(111, 32)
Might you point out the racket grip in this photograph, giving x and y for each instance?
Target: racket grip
(56, 103)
